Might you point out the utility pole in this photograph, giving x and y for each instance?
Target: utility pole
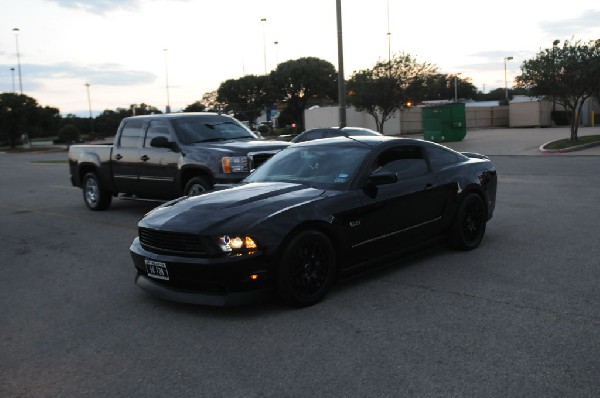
(341, 82)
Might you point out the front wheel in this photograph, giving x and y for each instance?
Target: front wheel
(469, 223)
(196, 186)
(307, 269)
(94, 195)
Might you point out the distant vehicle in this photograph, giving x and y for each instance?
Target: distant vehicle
(167, 156)
(314, 211)
(314, 134)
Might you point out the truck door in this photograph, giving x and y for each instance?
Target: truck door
(125, 157)
(158, 166)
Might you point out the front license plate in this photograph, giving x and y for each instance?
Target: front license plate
(156, 269)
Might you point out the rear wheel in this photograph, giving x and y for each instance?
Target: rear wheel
(196, 186)
(307, 269)
(469, 223)
(94, 195)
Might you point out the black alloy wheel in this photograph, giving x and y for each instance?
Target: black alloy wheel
(307, 269)
(469, 223)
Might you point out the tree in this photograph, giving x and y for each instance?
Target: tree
(379, 96)
(20, 114)
(195, 107)
(388, 86)
(439, 86)
(568, 75)
(246, 97)
(211, 102)
(301, 82)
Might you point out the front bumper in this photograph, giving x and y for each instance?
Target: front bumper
(209, 281)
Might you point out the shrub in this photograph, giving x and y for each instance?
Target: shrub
(68, 133)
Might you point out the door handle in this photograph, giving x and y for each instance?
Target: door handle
(144, 158)
(118, 156)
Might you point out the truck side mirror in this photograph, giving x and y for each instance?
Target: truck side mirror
(162, 142)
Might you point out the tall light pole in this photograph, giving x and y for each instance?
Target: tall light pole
(276, 54)
(12, 72)
(506, 78)
(168, 109)
(456, 87)
(16, 30)
(389, 34)
(87, 86)
(341, 82)
(264, 20)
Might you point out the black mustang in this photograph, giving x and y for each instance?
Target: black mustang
(312, 212)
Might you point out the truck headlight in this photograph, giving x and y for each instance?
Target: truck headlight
(235, 164)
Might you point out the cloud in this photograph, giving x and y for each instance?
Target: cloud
(104, 74)
(574, 27)
(98, 6)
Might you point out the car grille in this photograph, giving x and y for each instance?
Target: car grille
(256, 159)
(174, 243)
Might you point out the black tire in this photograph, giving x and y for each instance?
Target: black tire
(469, 223)
(196, 186)
(94, 195)
(307, 269)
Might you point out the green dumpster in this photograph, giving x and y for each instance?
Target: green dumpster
(444, 123)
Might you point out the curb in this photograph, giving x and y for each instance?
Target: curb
(564, 150)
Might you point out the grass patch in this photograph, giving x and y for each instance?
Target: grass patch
(567, 143)
(61, 161)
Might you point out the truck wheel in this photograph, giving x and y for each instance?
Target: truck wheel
(196, 186)
(95, 197)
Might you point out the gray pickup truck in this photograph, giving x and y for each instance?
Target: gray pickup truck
(167, 156)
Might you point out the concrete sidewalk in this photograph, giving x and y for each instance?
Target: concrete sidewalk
(506, 141)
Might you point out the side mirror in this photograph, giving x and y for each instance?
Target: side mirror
(382, 178)
(162, 142)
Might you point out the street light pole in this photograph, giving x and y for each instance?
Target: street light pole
(87, 86)
(506, 78)
(389, 34)
(341, 82)
(264, 44)
(456, 87)
(276, 54)
(12, 72)
(16, 30)
(168, 109)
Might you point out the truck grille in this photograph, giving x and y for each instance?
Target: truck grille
(256, 159)
(174, 242)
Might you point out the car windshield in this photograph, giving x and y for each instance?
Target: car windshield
(321, 166)
(208, 128)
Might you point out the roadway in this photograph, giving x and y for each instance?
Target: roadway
(519, 316)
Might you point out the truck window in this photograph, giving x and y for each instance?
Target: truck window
(157, 128)
(131, 134)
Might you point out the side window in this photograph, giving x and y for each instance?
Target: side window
(157, 128)
(131, 134)
(440, 157)
(405, 161)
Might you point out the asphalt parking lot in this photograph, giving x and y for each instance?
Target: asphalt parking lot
(519, 316)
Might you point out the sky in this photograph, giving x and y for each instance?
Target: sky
(127, 50)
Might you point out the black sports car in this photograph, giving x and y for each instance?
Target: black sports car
(313, 212)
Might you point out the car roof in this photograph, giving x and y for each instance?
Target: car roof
(178, 115)
(369, 140)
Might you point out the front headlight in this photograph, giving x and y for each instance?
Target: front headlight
(235, 164)
(230, 244)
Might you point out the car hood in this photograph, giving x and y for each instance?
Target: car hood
(229, 210)
(236, 147)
